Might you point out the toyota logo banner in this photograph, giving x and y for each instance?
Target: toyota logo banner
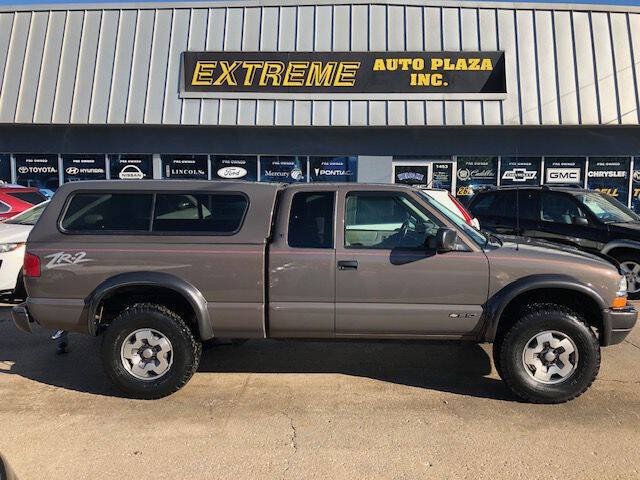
(131, 167)
(5, 168)
(37, 170)
(83, 167)
(520, 170)
(610, 175)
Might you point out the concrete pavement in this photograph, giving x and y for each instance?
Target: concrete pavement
(306, 410)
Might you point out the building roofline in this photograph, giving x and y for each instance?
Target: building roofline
(136, 5)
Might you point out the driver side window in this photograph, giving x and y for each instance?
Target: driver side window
(560, 208)
(386, 221)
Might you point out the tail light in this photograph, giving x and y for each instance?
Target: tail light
(465, 214)
(31, 265)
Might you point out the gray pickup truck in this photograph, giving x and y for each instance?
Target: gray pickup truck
(158, 267)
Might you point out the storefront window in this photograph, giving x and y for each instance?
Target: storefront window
(283, 169)
(520, 170)
(83, 167)
(635, 185)
(564, 170)
(131, 167)
(333, 169)
(442, 176)
(5, 168)
(185, 166)
(416, 175)
(38, 170)
(234, 167)
(474, 172)
(610, 175)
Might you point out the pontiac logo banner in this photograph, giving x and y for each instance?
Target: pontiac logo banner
(348, 74)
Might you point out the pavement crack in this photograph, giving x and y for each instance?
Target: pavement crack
(293, 443)
(633, 344)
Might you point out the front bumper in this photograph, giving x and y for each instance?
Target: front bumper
(617, 324)
(21, 318)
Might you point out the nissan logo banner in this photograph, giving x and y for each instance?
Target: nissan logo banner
(83, 167)
(564, 170)
(37, 170)
(520, 170)
(610, 175)
(365, 73)
(131, 167)
(185, 166)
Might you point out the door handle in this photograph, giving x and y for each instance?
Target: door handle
(347, 264)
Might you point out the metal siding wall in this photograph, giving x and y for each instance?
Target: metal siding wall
(123, 65)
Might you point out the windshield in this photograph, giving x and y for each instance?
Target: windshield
(476, 235)
(606, 208)
(28, 217)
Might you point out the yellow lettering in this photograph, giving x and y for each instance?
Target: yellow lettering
(294, 76)
(346, 74)
(418, 64)
(227, 74)
(378, 65)
(273, 71)
(436, 63)
(404, 63)
(474, 64)
(447, 64)
(392, 64)
(486, 64)
(436, 79)
(319, 76)
(461, 64)
(251, 68)
(203, 73)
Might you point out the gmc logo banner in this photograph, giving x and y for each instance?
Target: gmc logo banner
(348, 74)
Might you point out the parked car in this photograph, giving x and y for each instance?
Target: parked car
(13, 235)
(14, 200)
(585, 219)
(449, 201)
(157, 267)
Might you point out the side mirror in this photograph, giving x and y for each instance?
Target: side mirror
(446, 240)
(580, 221)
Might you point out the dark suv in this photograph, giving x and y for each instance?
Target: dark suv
(586, 219)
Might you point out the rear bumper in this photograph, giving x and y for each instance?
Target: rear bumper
(21, 318)
(618, 323)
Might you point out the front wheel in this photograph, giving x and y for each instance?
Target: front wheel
(549, 356)
(630, 265)
(149, 352)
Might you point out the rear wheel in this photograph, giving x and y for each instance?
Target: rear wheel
(630, 264)
(149, 351)
(549, 356)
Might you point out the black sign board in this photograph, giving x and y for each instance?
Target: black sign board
(185, 166)
(333, 169)
(442, 176)
(635, 185)
(235, 167)
(37, 170)
(343, 72)
(610, 175)
(473, 172)
(131, 167)
(5, 168)
(520, 170)
(416, 175)
(283, 169)
(83, 167)
(564, 170)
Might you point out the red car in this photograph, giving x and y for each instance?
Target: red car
(14, 200)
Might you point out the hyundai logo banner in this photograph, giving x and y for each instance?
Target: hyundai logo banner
(185, 166)
(610, 175)
(367, 74)
(564, 170)
(520, 170)
(235, 167)
(473, 172)
(131, 167)
(334, 169)
(283, 169)
(37, 170)
(5, 168)
(83, 167)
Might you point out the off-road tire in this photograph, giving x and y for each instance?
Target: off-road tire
(186, 350)
(628, 256)
(537, 318)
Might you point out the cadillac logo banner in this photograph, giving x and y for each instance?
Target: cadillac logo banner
(474, 172)
(351, 74)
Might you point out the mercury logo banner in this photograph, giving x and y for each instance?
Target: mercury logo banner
(370, 73)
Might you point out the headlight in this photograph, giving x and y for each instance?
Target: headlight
(9, 247)
(622, 287)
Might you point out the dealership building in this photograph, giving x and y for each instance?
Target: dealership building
(448, 94)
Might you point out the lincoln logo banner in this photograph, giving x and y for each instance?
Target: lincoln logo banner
(348, 74)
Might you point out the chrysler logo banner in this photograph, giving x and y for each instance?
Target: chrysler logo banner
(610, 175)
(352, 73)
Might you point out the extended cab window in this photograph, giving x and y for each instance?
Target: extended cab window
(185, 212)
(103, 212)
(387, 220)
(311, 220)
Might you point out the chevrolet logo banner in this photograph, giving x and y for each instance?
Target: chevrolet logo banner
(343, 74)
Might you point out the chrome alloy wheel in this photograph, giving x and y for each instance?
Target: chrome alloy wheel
(631, 270)
(146, 354)
(550, 357)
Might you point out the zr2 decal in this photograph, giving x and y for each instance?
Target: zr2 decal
(62, 259)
